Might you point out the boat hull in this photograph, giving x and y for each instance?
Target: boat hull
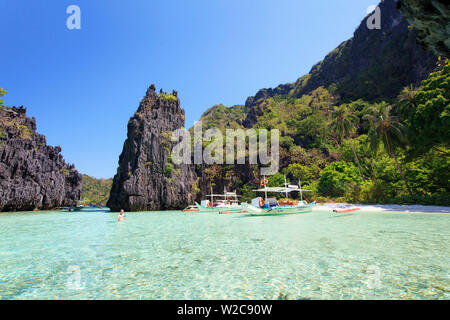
(228, 211)
(278, 211)
(221, 210)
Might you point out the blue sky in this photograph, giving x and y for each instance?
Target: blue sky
(84, 85)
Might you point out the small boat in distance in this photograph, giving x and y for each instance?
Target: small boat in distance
(272, 207)
(70, 209)
(191, 209)
(221, 203)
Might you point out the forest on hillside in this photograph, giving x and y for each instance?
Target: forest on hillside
(95, 191)
(393, 151)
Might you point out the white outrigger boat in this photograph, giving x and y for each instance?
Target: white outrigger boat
(272, 207)
(222, 204)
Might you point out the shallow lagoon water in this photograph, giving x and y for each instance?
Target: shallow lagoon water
(171, 255)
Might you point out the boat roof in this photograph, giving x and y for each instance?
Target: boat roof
(281, 189)
(228, 194)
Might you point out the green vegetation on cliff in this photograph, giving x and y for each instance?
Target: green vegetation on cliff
(2, 104)
(430, 19)
(167, 97)
(222, 117)
(95, 191)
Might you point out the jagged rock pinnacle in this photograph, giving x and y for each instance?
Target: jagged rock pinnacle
(146, 178)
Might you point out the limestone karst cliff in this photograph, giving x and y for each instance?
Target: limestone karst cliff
(146, 178)
(32, 174)
(374, 65)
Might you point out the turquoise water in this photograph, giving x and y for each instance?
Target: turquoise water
(170, 255)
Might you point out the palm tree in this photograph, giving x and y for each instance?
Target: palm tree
(388, 129)
(407, 98)
(343, 124)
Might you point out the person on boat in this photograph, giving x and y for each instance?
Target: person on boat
(121, 216)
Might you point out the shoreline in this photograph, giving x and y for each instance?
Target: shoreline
(324, 207)
(416, 208)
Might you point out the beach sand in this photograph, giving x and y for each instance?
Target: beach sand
(383, 208)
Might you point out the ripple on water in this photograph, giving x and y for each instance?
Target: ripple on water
(167, 255)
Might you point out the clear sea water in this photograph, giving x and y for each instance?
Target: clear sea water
(170, 255)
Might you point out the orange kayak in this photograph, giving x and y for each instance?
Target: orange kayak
(345, 210)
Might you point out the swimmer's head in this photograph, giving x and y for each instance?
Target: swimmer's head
(121, 211)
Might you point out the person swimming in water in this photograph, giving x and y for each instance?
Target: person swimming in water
(121, 216)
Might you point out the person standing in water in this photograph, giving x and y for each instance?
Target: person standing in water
(121, 216)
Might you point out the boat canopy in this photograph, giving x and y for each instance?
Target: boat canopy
(228, 194)
(281, 189)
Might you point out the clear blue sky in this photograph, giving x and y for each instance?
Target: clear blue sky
(84, 85)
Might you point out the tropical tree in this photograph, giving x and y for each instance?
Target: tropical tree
(343, 124)
(407, 99)
(429, 121)
(337, 178)
(386, 128)
(276, 180)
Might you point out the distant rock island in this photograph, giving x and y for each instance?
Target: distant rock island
(32, 174)
(146, 178)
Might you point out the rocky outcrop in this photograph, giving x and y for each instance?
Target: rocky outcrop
(431, 19)
(146, 178)
(374, 65)
(32, 174)
(255, 106)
